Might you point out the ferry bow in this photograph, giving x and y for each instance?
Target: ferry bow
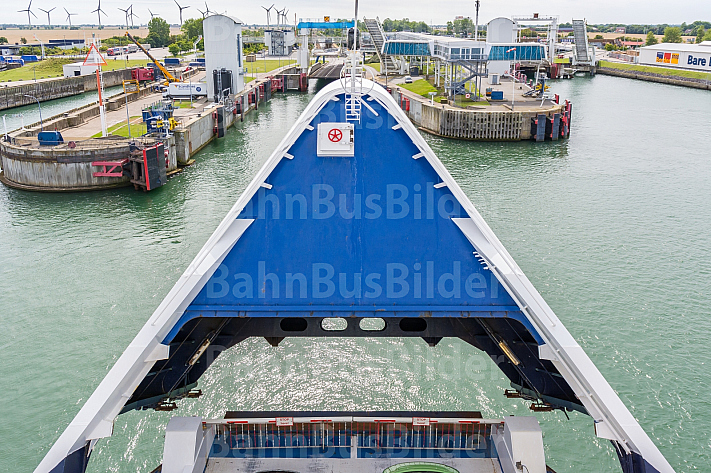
(353, 216)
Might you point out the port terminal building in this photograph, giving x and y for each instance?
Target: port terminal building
(461, 61)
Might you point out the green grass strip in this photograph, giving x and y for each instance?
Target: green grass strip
(120, 129)
(420, 87)
(656, 70)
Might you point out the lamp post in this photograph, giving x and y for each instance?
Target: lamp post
(513, 78)
(40, 109)
(41, 44)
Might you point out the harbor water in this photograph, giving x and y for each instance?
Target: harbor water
(612, 226)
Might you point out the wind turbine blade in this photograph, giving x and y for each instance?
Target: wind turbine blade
(33, 14)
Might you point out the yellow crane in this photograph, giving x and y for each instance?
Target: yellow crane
(168, 76)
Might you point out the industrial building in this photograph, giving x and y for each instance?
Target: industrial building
(280, 41)
(224, 64)
(77, 69)
(695, 57)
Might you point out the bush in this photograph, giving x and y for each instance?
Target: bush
(651, 39)
(174, 49)
(672, 35)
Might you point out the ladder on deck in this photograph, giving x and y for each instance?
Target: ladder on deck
(378, 37)
(352, 79)
(582, 54)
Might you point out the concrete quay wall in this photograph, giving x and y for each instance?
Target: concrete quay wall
(193, 134)
(79, 115)
(472, 124)
(650, 77)
(14, 96)
(56, 169)
(60, 168)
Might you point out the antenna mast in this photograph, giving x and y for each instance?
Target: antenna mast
(476, 27)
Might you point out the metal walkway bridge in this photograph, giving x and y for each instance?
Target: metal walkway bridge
(378, 38)
(583, 53)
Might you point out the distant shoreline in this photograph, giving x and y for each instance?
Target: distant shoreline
(13, 35)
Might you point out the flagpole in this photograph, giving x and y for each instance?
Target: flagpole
(513, 77)
(513, 81)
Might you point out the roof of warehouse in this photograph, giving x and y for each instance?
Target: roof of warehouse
(704, 47)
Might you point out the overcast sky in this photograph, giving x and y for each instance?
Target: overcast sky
(430, 11)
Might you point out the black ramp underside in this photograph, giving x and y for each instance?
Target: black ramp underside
(174, 377)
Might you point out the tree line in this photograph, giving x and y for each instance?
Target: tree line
(405, 25)
(685, 28)
(673, 34)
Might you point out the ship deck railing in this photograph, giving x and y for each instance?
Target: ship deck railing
(335, 438)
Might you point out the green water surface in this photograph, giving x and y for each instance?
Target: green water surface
(612, 226)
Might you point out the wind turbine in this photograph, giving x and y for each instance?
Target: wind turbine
(49, 22)
(132, 15)
(125, 12)
(286, 12)
(29, 20)
(268, 16)
(279, 13)
(69, 16)
(98, 12)
(181, 10)
(152, 14)
(206, 12)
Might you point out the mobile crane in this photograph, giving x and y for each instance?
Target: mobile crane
(168, 76)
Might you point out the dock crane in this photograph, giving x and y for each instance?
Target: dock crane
(168, 76)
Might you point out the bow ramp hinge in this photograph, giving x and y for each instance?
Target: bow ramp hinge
(335, 140)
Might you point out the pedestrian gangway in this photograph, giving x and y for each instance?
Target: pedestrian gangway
(378, 38)
(583, 53)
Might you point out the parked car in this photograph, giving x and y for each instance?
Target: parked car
(408, 80)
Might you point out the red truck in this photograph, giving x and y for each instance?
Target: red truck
(142, 74)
